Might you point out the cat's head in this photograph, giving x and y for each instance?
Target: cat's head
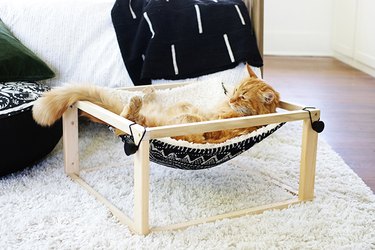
(253, 96)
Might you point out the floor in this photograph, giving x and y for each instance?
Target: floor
(346, 97)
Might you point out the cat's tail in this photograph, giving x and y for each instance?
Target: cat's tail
(51, 106)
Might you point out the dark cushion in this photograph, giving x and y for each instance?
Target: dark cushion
(18, 63)
(23, 142)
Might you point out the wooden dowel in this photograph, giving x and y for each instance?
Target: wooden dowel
(254, 210)
(109, 117)
(141, 188)
(70, 141)
(124, 219)
(242, 122)
(156, 86)
(308, 162)
(290, 106)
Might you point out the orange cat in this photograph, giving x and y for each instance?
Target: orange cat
(251, 97)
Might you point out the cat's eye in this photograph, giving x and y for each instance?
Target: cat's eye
(242, 97)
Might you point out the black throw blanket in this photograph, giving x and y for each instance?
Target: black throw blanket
(179, 39)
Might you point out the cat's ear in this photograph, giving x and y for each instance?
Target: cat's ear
(251, 72)
(267, 97)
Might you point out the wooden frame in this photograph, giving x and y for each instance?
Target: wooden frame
(140, 222)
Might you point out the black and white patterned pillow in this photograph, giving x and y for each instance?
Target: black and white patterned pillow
(17, 97)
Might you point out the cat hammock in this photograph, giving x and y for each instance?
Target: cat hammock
(151, 145)
(171, 153)
(148, 145)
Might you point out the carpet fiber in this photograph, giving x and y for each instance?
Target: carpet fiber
(41, 208)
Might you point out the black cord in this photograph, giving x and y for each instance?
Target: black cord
(129, 144)
(225, 90)
(131, 133)
(317, 126)
(306, 109)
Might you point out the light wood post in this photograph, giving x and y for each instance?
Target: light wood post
(256, 11)
(70, 141)
(257, 16)
(142, 188)
(308, 162)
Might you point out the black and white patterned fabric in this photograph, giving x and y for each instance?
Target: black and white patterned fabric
(196, 158)
(174, 39)
(17, 97)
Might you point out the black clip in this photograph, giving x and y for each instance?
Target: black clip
(225, 90)
(129, 145)
(317, 126)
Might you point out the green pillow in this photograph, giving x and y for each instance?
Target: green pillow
(18, 63)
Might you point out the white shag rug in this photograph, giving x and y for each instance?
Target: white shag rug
(41, 208)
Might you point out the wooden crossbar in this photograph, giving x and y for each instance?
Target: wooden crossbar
(197, 127)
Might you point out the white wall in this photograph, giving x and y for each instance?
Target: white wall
(353, 36)
(298, 27)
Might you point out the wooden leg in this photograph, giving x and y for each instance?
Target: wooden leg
(141, 188)
(308, 162)
(70, 141)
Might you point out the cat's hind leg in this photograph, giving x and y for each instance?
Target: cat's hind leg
(188, 118)
(132, 112)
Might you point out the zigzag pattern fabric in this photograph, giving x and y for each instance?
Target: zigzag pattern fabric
(196, 158)
(174, 39)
